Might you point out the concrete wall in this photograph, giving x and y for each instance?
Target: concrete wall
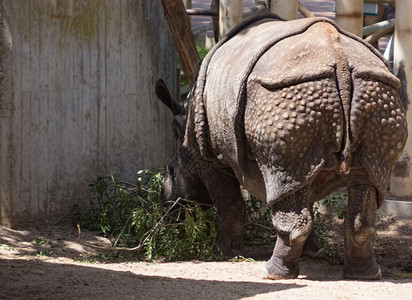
(77, 100)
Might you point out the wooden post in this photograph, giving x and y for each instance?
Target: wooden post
(286, 9)
(230, 14)
(401, 183)
(175, 14)
(349, 15)
(188, 5)
(214, 5)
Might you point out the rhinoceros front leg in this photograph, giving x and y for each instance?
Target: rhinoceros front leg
(293, 222)
(224, 190)
(359, 233)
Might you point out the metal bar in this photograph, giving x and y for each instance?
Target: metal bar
(202, 12)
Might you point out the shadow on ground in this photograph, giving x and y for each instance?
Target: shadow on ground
(36, 279)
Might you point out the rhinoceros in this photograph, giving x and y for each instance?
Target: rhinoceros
(291, 111)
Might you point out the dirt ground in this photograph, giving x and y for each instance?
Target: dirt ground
(47, 263)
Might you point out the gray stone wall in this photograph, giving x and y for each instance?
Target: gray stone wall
(77, 100)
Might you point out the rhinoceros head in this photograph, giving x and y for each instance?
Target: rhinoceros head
(183, 178)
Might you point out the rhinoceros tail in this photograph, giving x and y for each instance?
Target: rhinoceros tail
(345, 92)
(344, 83)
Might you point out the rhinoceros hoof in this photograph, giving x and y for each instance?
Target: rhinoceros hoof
(362, 271)
(275, 269)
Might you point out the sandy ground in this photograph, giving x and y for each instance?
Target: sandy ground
(47, 263)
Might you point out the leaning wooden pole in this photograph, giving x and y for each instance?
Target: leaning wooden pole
(304, 11)
(178, 20)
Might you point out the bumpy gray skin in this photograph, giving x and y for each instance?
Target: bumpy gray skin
(291, 111)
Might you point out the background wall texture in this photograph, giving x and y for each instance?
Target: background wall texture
(77, 100)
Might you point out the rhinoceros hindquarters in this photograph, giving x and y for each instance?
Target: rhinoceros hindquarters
(294, 132)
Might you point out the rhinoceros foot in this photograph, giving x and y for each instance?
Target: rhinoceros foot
(276, 269)
(362, 271)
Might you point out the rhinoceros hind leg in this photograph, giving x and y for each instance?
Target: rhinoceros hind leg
(359, 233)
(312, 247)
(276, 269)
(293, 222)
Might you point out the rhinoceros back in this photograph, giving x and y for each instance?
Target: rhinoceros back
(300, 94)
(224, 77)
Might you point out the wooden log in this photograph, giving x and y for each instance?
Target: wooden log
(379, 33)
(304, 11)
(368, 30)
(175, 14)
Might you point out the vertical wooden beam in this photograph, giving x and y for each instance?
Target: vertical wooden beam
(286, 9)
(214, 6)
(176, 16)
(349, 15)
(401, 183)
(230, 14)
(188, 5)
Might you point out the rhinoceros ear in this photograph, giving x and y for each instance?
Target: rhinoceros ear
(162, 92)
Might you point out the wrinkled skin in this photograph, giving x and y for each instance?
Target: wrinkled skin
(291, 111)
